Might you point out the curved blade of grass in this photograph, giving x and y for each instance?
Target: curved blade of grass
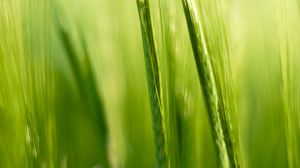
(153, 78)
(220, 125)
(85, 80)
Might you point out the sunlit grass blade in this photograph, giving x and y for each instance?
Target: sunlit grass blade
(168, 50)
(26, 86)
(288, 87)
(220, 125)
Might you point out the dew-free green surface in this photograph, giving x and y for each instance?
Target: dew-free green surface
(74, 90)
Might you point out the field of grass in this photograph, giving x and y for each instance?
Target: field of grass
(149, 83)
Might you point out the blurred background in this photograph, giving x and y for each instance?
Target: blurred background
(73, 86)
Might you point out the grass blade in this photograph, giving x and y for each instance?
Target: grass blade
(153, 78)
(288, 87)
(220, 125)
(84, 76)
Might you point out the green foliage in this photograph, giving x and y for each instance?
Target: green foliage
(163, 83)
(154, 83)
(213, 96)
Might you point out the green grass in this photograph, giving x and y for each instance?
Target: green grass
(219, 120)
(290, 113)
(163, 83)
(154, 83)
(88, 92)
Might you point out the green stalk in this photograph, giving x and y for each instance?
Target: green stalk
(153, 78)
(220, 124)
(172, 115)
(86, 82)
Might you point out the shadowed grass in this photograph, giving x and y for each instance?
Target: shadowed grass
(86, 83)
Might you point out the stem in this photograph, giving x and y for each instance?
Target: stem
(228, 156)
(153, 78)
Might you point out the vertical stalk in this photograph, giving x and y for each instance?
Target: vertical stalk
(220, 124)
(153, 78)
(172, 115)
